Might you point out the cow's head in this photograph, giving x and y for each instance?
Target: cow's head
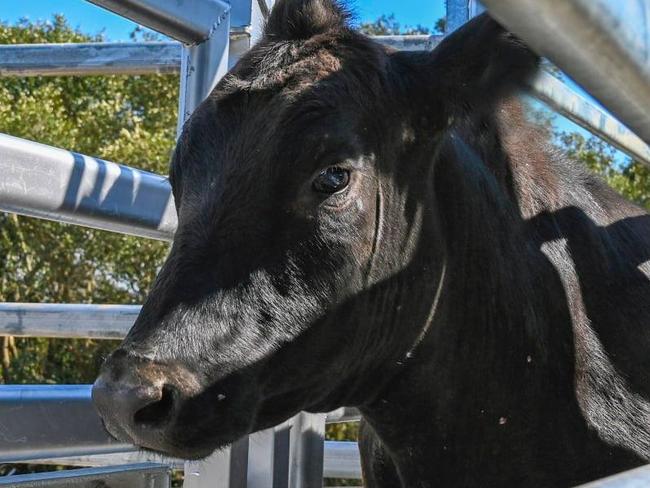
(309, 247)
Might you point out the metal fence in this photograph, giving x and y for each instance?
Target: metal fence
(57, 424)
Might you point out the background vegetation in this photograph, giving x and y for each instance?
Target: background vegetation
(132, 119)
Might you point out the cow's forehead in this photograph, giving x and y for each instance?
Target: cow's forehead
(283, 67)
(286, 97)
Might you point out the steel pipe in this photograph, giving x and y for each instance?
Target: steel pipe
(45, 182)
(203, 65)
(46, 421)
(342, 460)
(603, 46)
(95, 58)
(67, 321)
(116, 458)
(343, 414)
(578, 109)
(147, 475)
(409, 43)
(188, 21)
(103, 58)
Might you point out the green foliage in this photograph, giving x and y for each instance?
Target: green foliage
(119, 118)
(628, 177)
(440, 26)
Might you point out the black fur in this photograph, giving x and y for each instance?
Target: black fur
(479, 297)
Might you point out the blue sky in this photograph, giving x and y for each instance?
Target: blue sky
(92, 19)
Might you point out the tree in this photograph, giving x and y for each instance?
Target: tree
(440, 26)
(627, 176)
(120, 118)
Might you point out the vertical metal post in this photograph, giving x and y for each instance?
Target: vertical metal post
(225, 468)
(475, 8)
(203, 65)
(458, 12)
(261, 458)
(306, 451)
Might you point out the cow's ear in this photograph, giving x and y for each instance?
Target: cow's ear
(303, 19)
(482, 61)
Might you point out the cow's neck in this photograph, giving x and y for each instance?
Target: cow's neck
(489, 393)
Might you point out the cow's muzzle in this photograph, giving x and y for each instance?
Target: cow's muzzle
(139, 399)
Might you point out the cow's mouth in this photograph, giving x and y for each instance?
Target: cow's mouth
(184, 428)
(165, 409)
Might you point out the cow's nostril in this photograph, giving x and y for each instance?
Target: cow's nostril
(158, 412)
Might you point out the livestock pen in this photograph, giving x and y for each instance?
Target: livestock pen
(57, 423)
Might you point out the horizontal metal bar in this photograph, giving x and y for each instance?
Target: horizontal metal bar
(97, 58)
(129, 476)
(636, 478)
(409, 43)
(602, 45)
(344, 414)
(573, 106)
(342, 460)
(46, 421)
(188, 21)
(102, 58)
(50, 183)
(67, 321)
(114, 459)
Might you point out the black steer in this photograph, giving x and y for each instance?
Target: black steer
(363, 227)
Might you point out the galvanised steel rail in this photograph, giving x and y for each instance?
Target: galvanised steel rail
(67, 321)
(584, 113)
(602, 45)
(341, 460)
(147, 475)
(188, 21)
(89, 59)
(49, 183)
(104, 58)
(45, 421)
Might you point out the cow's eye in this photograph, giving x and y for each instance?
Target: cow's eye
(331, 180)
